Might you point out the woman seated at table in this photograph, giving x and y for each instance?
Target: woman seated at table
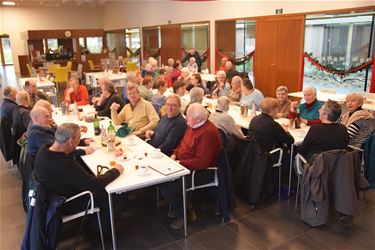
(266, 130)
(221, 87)
(164, 75)
(282, 97)
(108, 96)
(195, 81)
(357, 120)
(225, 122)
(250, 94)
(176, 72)
(327, 135)
(145, 88)
(158, 99)
(309, 110)
(76, 93)
(179, 88)
(235, 93)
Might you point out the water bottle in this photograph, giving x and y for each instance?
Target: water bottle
(297, 121)
(96, 126)
(103, 135)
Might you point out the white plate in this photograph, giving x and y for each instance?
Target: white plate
(156, 156)
(130, 143)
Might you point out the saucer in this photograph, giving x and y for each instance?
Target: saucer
(140, 173)
(131, 143)
(156, 156)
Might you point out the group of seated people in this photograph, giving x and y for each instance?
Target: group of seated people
(185, 131)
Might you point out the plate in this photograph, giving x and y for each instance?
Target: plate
(131, 143)
(156, 156)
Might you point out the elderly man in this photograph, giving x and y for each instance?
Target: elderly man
(229, 71)
(224, 121)
(309, 110)
(171, 128)
(76, 93)
(66, 177)
(9, 104)
(195, 54)
(282, 97)
(35, 94)
(139, 114)
(107, 97)
(21, 120)
(198, 150)
(132, 79)
(221, 87)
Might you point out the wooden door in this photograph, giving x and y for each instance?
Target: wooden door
(279, 53)
(170, 42)
(225, 40)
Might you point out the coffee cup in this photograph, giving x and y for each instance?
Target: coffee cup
(156, 153)
(142, 170)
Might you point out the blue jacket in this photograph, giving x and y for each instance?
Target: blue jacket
(310, 114)
(369, 155)
(43, 220)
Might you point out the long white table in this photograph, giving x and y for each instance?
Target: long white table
(322, 96)
(118, 79)
(135, 150)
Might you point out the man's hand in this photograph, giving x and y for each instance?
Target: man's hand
(119, 167)
(115, 106)
(149, 134)
(137, 133)
(88, 140)
(293, 106)
(173, 157)
(89, 150)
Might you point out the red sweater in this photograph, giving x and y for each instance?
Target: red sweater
(200, 147)
(81, 97)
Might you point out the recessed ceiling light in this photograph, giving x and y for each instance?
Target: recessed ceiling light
(9, 3)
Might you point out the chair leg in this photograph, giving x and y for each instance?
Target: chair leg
(100, 229)
(295, 205)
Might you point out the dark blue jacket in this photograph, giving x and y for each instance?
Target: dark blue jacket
(43, 221)
(7, 109)
(369, 155)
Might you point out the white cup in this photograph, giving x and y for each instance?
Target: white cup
(156, 153)
(143, 170)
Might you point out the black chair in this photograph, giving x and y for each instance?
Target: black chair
(6, 138)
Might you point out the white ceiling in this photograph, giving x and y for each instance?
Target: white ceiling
(59, 3)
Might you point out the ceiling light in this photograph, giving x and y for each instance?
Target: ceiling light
(9, 3)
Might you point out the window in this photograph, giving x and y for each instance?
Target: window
(133, 44)
(52, 44)
(195, 36)
(338, 42)
(94, 44)
(82, 42)
(245, 44)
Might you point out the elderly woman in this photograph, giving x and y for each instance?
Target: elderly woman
(196, 96)
(192, 66)
(282, 97)
(179, 88)
(250, 95)
(221, 87)
(235, 93)
(325, 136)
(224, 121)
(357, 120)
(267, 132)
(195, 81)
(145, 88)
(308, 111)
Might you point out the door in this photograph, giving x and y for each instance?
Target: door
(6, 57)
(279, 53)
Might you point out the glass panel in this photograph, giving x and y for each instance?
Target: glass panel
(339, 42)
(133, 43)
(52, 44)
(151, 42)
(94, 44)
(8, 58)
(195, 36)
(82, 42)
(245, 43)
(116, 44)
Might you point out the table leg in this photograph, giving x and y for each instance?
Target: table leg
(112, 222)
(290, 168)
(184, 205)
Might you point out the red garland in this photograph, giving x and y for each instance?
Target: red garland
(234, 59)
(341, 72)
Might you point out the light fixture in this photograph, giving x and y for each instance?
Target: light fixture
(7, 3)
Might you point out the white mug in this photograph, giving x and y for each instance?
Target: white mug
(143, 170)
(156, 153)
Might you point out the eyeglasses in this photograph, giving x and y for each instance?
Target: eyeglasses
(171, 105)
(100, 169)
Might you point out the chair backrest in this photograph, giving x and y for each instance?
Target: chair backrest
(91, 64)
(131, 66)
(61, 74)
(69, 65)
(30, 70)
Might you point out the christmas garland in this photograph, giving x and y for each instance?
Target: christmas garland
(236, 61)
(133, 54)
(330, 69)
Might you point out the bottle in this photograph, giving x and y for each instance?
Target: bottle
(297, 121)
(103, 135)
(63, 108)
(96, 126)
(253, 110)
(111, 131)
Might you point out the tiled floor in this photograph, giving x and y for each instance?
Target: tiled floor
(143, 225)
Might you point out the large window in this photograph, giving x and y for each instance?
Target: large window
(94, 44)
(195, 36)
(245, 44)
(133, 44)
(339, 42)
(52, 44)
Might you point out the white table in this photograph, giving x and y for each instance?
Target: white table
(42, 84)
(118, 79)
(129, 179)
(322, 96)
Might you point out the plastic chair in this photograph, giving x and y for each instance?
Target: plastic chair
(61, 77)
(91, 210)
(30, 70)
(131, 66)
(51, 69)
(278, 164)
(93, 68)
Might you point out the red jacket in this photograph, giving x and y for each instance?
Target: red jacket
(81, 97)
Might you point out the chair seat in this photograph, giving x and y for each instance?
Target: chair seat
(67, 218)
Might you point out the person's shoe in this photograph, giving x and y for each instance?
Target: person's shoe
(346, 219)
(177, 224)
(192, 216)
(172, 214)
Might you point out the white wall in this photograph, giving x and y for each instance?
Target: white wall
(147, 13)
(15, 21)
